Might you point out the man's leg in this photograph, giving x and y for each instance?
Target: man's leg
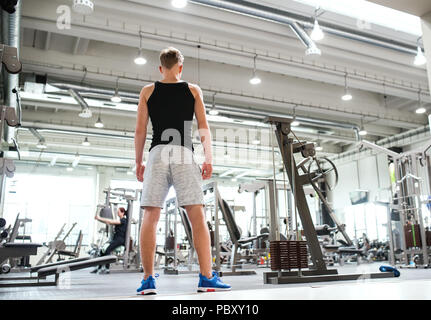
(201, 238)
(148, 239)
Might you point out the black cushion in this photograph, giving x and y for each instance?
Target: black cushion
(76, 265)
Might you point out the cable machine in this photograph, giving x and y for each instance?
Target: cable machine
(288, 255)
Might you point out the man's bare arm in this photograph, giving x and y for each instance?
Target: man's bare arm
(141, 132)
(204, 130)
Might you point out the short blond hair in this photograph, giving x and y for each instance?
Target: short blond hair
(170, 57)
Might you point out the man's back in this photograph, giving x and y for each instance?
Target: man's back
(171, 111)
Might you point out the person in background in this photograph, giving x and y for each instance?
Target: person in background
(119, 238)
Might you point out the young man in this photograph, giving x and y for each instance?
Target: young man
(119, 238)
(170, 104)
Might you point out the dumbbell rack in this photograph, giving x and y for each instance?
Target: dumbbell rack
(318, 272)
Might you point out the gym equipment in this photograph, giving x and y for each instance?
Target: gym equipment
(407, 204)
(214, 202)
(57, 246)
(318, 270)
(8, 5)
(172, 250)
(53, 269)
(130, 256)
(11, 250)
(76, 250)
(9, 59)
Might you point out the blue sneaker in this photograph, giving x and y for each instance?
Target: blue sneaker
(212, 285)
(147, 286)
(390, 269)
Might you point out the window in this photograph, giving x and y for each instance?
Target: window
(51, 201)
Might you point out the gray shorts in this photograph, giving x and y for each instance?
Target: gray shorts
(171, 165)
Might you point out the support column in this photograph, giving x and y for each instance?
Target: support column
(426, 38)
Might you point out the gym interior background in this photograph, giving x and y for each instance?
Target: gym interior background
(346, 80)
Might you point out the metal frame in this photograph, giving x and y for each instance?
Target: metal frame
(408, 187)
(130, 196)
(318, 271)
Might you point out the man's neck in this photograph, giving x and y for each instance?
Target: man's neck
(171, 79)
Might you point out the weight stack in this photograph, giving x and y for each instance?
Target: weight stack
(412, 236)
(288, 255)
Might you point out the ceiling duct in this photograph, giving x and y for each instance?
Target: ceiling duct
(286, 17)
(85, 112)
(233, 110)
(262, 12)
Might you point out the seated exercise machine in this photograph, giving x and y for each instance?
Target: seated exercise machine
(173, 251)
(58, 247)
(239, 243)
(406, 215)
(289, 255)
(129, 256)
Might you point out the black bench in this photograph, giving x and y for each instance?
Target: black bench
(235, 233)
(72, 265)
(14, 250)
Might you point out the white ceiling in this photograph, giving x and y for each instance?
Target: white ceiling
(416, 7)
(106, 42)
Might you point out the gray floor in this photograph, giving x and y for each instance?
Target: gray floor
(413, 284)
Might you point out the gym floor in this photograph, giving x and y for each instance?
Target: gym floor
(412, 284)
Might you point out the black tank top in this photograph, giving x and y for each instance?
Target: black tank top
(171, 108)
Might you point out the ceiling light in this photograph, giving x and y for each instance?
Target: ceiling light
(69, 169)
(129, 172)
(86, 143)
(213, 111)
(317, 33)
(319, 148)
(140, 59)
(255, 79)
(83, 6)
(116, 97)
(179, 3)
(294, 122)
(234, 179)
(85, 113)
(313, 50)
(255, 141)
(420, 58)
(362, 132)
(76, 160)
(347, 96)
(41, 144)
(99, 123)
(421, 110)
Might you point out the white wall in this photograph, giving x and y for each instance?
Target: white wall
(370, 173)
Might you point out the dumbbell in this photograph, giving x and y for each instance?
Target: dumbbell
(5, 268)
(2, 223)
(3, 235)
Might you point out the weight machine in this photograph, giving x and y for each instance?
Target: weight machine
(131, 257)
(288, 255)
(407, 204)
(172, 249)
